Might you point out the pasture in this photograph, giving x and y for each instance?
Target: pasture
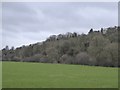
(43, 75)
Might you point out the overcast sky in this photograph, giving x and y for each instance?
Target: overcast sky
(28, 23)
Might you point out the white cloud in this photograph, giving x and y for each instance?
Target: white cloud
(25, 23)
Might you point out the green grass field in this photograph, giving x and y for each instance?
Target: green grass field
(39, 75)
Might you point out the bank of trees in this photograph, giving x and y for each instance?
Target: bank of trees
(98, 48)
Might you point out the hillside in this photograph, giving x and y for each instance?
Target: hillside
(98, 48)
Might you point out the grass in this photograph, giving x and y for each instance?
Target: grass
(0, 75)
(40, 75)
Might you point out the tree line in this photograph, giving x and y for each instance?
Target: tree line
(97, 48)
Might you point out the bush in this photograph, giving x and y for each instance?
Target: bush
(82, 58)
(67, 59)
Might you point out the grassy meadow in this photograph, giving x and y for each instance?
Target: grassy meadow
(42, 75)
(0, 75)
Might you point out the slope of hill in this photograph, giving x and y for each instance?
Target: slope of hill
(99, 48)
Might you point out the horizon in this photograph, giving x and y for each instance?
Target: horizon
(56, 35)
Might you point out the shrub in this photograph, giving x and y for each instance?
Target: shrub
(82, 58)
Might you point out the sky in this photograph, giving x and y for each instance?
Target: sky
(31, 22)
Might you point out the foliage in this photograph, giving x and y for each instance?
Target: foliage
(95, 48)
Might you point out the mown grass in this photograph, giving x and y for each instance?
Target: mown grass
(0, 75)
(40, 75)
